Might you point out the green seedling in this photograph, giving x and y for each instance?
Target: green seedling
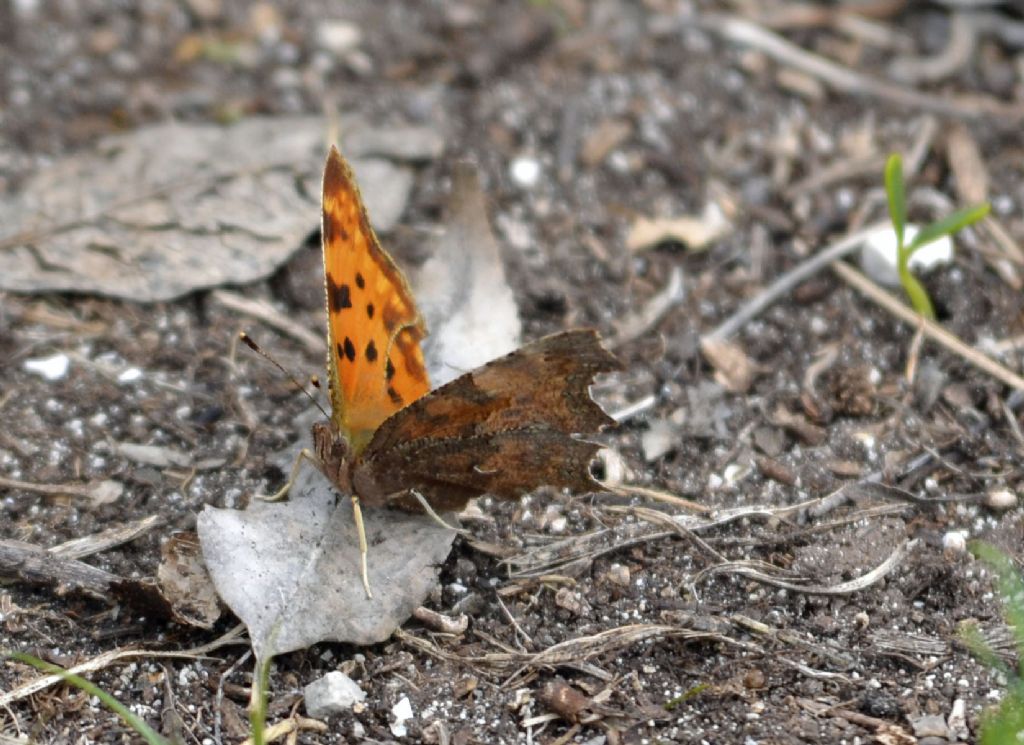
(1006, 723)
(960, 219)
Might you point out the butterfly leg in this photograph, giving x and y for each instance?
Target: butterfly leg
(357, 514)
(282, 493)
(433, 515)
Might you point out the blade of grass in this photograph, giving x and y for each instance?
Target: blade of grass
(150, 735)
(1007, 722)
(897, 195)
(948, 225)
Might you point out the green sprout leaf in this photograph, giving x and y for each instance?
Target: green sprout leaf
(896, 193)
(948, 225)
(150, 735)
(897, 196)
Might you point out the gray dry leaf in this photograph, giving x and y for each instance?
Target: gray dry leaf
(290, 570)
(464, 294)
(170, 209)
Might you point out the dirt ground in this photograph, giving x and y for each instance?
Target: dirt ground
(624, 109)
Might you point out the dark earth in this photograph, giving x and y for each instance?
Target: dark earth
(622, 109)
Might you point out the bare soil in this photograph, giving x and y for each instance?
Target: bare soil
(741, 660)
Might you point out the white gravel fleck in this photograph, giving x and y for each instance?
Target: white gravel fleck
(51, 368)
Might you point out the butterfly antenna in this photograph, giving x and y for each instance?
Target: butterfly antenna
(249, 342)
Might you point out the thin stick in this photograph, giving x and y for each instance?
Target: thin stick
(268, 314)
(787, 282)
(932, 330)
(106, 659)
(914, 354)
(659, 496)
(79, 548)
(845, 80)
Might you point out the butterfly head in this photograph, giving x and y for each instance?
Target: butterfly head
(335, 454)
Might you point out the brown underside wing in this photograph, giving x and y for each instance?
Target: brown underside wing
(503, 429)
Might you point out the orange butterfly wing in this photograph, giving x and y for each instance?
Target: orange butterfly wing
(374, 361)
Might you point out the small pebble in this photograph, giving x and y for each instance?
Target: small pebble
(334, 693)
(526, 172)
(1001, 499)
(130, 375)
(954, 542)
(618, 574)
(401, 712)
(568, 600)
(754, 678)
(51, 368)
(338, 37)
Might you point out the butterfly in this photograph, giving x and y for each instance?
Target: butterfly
(503, 429)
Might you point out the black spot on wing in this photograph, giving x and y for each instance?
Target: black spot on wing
(389, 369)
(350, 350)
(360, 282)
(371, 351)
(369, 310)
(338, 296)
(395, 396)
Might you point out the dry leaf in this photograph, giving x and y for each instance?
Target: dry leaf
(185, 584)
(733, 369)
(967, 165)
(694, 232)
(462, 291)
(169, 209)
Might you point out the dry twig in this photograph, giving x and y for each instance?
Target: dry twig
(101, 661)
(844, 80)
(268, 314)
(932, 330)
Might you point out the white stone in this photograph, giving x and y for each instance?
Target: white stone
(401, 712)
(130, 375)
(51, 368)
(954, 542)
(878, 254)
(526, 172)
(659, 439)
(1001, 499)
(338, 37)
(334, 693)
